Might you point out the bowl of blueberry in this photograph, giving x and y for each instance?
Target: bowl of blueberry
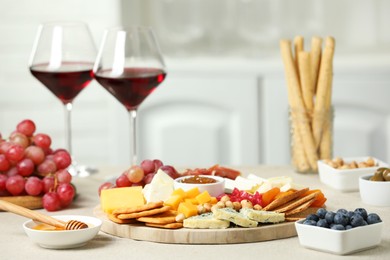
(340, 232)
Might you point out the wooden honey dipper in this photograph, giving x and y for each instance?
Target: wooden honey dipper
(69, 225)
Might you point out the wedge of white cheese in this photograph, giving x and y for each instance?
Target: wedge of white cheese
(205, 220)
(159, 189)
(262, 216)
(235, 217)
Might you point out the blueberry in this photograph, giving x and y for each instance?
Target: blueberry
(321, 212)
(362, 212)
(312, 217)
(322, 223)
(341, 218)
(338, 227)
(310, 222)
(344, 211)
(373, 218)
(348, 227)
(356, 220)
(329, 216)
(350, 214)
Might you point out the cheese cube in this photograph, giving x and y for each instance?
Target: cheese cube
(192, 193)
(174, 201)
(111, 199)
(188, 209)
(204, 197)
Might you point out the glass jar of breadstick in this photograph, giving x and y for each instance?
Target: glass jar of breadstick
(311, 138)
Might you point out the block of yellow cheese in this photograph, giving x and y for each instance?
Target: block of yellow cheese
(203, 197)
(188, 209)
(126, 197)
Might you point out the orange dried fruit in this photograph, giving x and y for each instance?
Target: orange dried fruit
(270, 195)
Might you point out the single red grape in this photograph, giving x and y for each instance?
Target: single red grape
(62, 159)
(19, 138)
(66, 194)
(47, 166)
(4, 146)
(25, 167)
(157, 164)
(4, 163)
(170, 171)
(51, 201)
(15, 185)
(148, 166)
(122, 181)
(63, 176)
(33, 186)
(48, 184)
(15, 153)
(42, 140)
(148, 178)
(35, 153)
(12, 171)
(26, 127)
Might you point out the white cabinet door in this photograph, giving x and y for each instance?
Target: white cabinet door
(201, 121)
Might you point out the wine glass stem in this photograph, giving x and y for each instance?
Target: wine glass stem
(68, 131)
(133, 136)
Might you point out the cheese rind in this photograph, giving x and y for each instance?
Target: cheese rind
(111, 199)
(205, 220)
(262, 216)
(235, 217)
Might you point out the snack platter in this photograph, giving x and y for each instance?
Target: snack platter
(196, 236)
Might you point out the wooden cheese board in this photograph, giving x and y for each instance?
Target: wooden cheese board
(196, 236)
(30, 202)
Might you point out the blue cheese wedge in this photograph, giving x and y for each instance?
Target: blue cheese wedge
(235, 217)
(205, 220)
(262, 216)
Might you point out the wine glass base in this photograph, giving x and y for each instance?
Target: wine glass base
(82, 170)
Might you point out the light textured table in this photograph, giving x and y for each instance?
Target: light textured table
(14, 244)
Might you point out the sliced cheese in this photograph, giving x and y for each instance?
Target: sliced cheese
(126, 197)
(234, 217)
(206, 220)
(262, 216)
(160, 188)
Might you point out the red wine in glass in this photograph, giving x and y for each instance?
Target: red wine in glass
(67, 82)
(132, 86)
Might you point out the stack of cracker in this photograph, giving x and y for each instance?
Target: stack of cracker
(153, 214)
(309, 76)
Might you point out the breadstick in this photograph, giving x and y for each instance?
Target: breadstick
(306, 80)
(296, 103)
(315, 56)
(298, 47)
(323, 90)
(298, 152)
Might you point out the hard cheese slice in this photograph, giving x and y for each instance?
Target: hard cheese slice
(126, 197)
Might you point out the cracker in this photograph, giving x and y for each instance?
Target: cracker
(283, 200)
(167, 226)
(295, 203)
(114, 219)
(302, 207)
(156, 219)
(292, 219)
(148, 206)
(144, 213)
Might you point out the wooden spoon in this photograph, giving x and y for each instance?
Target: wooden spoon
(69, 225)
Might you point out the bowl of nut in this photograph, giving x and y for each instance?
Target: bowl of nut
(343, 173)
(340, 232)
(375, 188)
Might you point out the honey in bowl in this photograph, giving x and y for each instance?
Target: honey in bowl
(46, 227)
(198, 180)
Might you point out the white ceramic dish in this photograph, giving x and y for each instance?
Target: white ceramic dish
(214, 189)
(63, 239)
(346, 180)
(339, 242)
(375, 193)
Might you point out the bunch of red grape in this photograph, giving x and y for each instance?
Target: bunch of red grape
(140, 175)
(29, 166)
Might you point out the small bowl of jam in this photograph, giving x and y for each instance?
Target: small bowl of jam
(215, 185)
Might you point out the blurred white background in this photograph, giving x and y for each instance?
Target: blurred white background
(206, 44)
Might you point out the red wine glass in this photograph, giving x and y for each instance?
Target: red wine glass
(62, 60)
(130, 66)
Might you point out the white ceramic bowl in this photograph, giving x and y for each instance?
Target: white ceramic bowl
(214, 189)
(375, 193)
(340, 242)
(346, 180)
(62, 239)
